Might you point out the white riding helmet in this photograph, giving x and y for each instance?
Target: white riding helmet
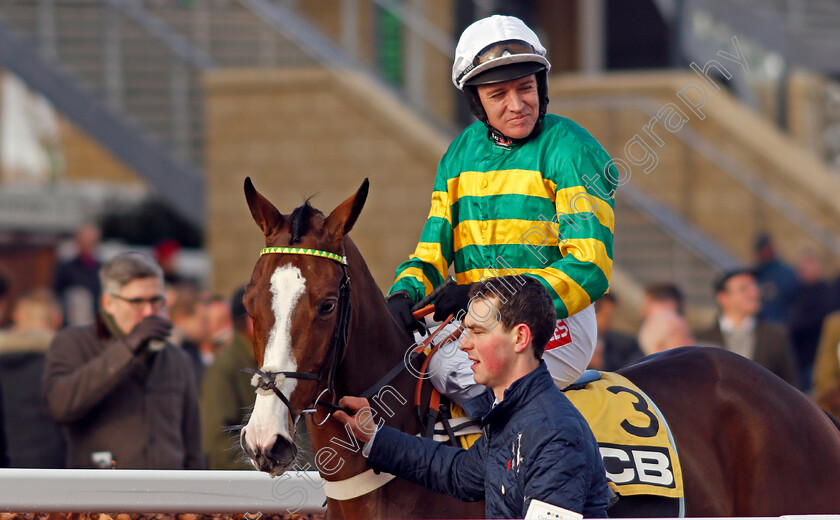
(494, 42)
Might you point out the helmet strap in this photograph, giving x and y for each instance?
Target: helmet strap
(477, 109)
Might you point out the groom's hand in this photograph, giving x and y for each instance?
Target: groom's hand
(361, 423)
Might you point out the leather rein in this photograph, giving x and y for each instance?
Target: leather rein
(269, 381)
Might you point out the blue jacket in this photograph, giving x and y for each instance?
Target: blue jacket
(535, 445)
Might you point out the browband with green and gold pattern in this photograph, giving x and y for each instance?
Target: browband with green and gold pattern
(304, 251)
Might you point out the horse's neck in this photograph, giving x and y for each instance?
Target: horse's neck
(376, 344)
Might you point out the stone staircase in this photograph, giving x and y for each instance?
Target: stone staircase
(650, 255)
(145, 59)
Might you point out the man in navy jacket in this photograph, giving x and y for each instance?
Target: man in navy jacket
(536, 445)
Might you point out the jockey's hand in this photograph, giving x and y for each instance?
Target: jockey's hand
(399, 305)
(361, 423)
(451, 300)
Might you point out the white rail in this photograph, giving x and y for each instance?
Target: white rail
(138, 491)
(171, 491)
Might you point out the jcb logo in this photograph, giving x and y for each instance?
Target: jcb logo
(637, 465)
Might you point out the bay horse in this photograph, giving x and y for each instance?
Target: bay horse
(749, 444)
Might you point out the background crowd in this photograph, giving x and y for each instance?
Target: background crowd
(785, 318)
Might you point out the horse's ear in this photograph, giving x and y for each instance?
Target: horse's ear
(265, 214)
(342, 218)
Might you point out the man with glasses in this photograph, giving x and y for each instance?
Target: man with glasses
(519, 192)
(126, 397)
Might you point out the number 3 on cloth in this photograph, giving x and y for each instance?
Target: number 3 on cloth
(640, 406)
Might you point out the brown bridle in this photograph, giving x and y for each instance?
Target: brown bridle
(267, 380)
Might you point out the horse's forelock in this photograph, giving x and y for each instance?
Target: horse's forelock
(300, 221)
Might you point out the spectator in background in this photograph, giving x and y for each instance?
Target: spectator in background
(738, 328)
(226, 393)
(662, 296)
(188, 313)
(664, 330)
(124, 396)
(76, 281)
(826, 374)
(5, 290)
(663, 325)
(613, 349)
(4, 457)
(33, 440)
(219, 328)
(166, 254)
(812, 303)
(776, 281)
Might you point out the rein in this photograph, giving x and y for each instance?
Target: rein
(268, 381)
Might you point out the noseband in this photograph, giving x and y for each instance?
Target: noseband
(268, 381)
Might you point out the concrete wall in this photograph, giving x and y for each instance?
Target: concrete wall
(440, 94)
(309, 133)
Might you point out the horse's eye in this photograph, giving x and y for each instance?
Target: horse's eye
(326, 307)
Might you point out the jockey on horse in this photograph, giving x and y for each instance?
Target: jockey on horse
(519, 192)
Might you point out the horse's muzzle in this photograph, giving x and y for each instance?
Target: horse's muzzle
(274, 458)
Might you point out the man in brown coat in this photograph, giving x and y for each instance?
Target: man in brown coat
(739, 330)
(125, 396)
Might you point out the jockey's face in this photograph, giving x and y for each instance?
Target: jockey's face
(512, 107)
(134, 301)
(496, 353)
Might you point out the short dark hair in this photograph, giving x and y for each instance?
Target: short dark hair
(666, 292)
(762, 240)
(5, 284)
(720, 281)
(521, 299)
(187, 300)
(125, 268)
(237, 308)
(605, 299)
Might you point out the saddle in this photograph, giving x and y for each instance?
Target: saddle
(635, 441)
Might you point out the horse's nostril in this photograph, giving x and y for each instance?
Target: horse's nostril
(283, 450)
(244, 445)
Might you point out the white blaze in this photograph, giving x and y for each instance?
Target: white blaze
(271, 416)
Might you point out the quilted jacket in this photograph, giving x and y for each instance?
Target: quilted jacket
(536, 445)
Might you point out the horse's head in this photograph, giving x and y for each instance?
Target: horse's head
(298, 306)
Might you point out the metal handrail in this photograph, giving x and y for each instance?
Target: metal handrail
(732, 167)
(177, 44)
(409, 17)
(312, 42)
(682, 232)
(286, 21)
(176, 181)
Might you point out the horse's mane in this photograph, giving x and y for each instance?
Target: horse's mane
(300, 220)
